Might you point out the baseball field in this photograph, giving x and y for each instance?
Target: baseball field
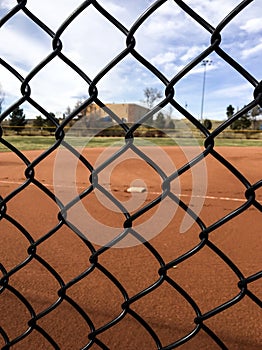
(53, 282)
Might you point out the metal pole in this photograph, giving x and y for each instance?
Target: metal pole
(204, 63)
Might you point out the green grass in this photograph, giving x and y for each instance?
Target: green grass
(238, 143)
(44, 142)
(28, 142)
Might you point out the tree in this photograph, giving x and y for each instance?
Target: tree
(170, 124)
(78, 104)
(245, 121)
(17, 120)
(67, 112)
(256, 111)
(39, 122)
(160, 121)
(230, 111)
(49, 125)
(241, 123)
(207, 124)
(151, 96)
(2, 98)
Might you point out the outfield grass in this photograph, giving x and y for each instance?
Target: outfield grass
(44, 142)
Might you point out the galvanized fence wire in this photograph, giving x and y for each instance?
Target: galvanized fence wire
(95, 254)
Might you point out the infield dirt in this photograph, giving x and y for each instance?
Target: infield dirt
(204, 276)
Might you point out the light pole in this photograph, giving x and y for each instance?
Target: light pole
(204, 63)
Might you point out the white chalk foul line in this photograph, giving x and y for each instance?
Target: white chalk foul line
(156, 193)
(206, 197)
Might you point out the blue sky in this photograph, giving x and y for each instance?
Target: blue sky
(169, 39)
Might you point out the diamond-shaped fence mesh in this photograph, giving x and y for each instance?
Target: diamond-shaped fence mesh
(85, 266)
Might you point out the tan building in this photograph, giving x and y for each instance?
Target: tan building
(128, 112)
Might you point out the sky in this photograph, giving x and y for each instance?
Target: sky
(169, 40)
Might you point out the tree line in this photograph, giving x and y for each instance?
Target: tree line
(17, 119)
(246, 121)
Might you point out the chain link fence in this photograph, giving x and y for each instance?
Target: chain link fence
(54, 303)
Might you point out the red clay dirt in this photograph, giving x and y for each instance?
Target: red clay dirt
(204, 276)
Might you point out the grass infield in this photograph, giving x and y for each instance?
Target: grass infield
(44, 142)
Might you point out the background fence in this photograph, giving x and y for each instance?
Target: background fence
(141, 132)
(96, 275)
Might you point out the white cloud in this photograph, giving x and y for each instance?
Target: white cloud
(12, 47)
(253, 25)
(7, 4)
(191, 53)
(239, 91)
(10, 85)
(91, 42)
(213, 10)
(167, 23)
(251, 51)
(52, 13)
(169, 39)
(162, 58)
